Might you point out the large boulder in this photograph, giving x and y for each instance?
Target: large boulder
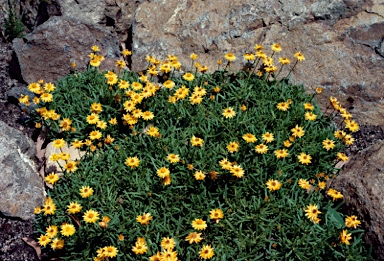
(48, 51)
(341, 40)
(361, 182)
(21, 187)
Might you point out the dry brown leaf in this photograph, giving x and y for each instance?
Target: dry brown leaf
(34, 245)
(40, 152)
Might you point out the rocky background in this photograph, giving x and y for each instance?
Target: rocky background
(342, 40)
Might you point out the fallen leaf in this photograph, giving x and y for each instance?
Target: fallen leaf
(34, 245)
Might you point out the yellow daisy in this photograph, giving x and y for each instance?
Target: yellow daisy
(199, 224)
(91, 216)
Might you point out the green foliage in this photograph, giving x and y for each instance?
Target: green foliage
(13, 27)
(259, 222)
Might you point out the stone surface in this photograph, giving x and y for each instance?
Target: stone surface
(48, 51)
(21, 187)
(361, 182)
(341, 40)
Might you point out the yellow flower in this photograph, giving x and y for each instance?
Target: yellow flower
(284, 61)
(216, 214)
(169, 84)
(93, 118)
(345, 237)
(233, 147)
(249, 138)
(243, 107)
(168, 243)
(86, 191)
(95, 62)
(35, 88)
(229, 113)
(57, 243)
(49, 208)
(199, 175)
(52, 231)
(230, 57)
(46, 97)
(328, 144)
(304, 158)
(189, 77)
(261, 148)
(348, 139)
(110, 251)
(126, 52)
(342, 156)
(147, 115)
(237, 171)
(276, 48)
(199, 224)
(123, 84)
(193, 237)
(95, 48)
(310, 116)
(195, 99)
(197, 142)
(153, 131)
(352, 221)
(74, 207)
(334, 194)
(132, 162)
(139, 249)
(144, 219)
(258, 47)
(308, 106)
(225, 164)
(96, 108)
(273, 184)
(207, 252)
(95, 135)
(268, 137)
(282, 106)
(249, 56)
(91, 216)
(59, 143)
(304, 184)
(67, 230)
(49, 87)
(173, 158)
(163, 172)
(339, 134)
(44, 240)
(282, 153)
(108, 140)
(52, 178)
(37, 210)
(299, 56)
(120, 64)
(352, 125)
(113, 121)
(70, 166)
(193, 56)
(65, 124)
(322, 184)
(121, 237)
(297, 132)
(199, 91)
(312, 211)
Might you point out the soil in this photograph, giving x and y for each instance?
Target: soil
(12, 230)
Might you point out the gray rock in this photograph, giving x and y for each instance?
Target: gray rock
(361, 182)
(48, 51)
(21, 188)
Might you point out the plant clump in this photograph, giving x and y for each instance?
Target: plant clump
(193, 165)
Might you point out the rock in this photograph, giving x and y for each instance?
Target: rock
(341, 40)
(361, 182)
(21, 187)
(47, 52)
(118, 15)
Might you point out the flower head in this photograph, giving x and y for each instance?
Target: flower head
(144, 218)
(299, 56)
(193, 237)
(233, 147)
(312, 212)
(230, 57)
(67, 230)
(86, 191)
(199, 224)
(345, 237)
(229, 113)
(74, 207)
(52, 178)
(273, 184)
(168, 243)
(91, 216)
(132, 162)
(352, 221)
(207, 252)
(249, 138)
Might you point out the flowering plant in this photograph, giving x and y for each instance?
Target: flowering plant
(182, 166)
